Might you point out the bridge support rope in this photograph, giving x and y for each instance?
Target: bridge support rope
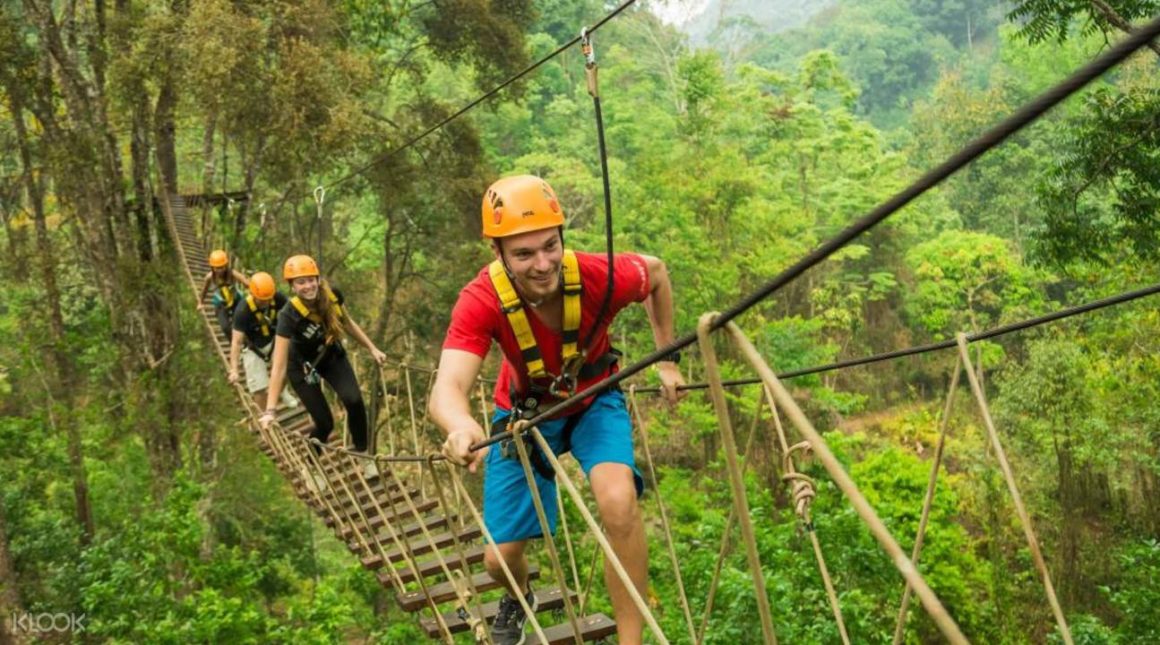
(1005, 466)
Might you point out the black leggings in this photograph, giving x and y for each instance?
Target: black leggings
(339, 374)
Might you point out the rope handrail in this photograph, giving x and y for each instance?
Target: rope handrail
(736, 479)
(597, 532)
(642, 428)
(991, 138)
(803, 491)
(546, 532)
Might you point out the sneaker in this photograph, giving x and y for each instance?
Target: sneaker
(288, 399)
(508, 628)
(370, 469)
(320, 483)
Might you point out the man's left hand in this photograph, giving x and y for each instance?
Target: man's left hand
(379, 356)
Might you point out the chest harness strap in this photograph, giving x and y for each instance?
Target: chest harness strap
(570, 354)
(312, 376)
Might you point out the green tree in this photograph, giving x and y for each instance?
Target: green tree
(968, 281)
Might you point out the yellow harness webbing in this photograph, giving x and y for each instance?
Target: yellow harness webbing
(305, 311)
(513, 308)
(260, 316)
(227, 290)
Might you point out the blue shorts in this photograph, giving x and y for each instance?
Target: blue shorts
(603, 434)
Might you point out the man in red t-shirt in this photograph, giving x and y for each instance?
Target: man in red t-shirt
(547, 309)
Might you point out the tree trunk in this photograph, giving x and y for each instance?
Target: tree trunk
(209, 169)
(143, 195)
(165, 133)
(60, 360)
(1070, 502)
(90, 179)
(1118, 21)
(9, 593)
(16, 234)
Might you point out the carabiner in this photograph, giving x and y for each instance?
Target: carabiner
(586, 48)
(563, 386)
(589, 62)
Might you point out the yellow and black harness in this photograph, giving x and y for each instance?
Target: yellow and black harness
(572, 356)
(264, 324)
(313, 317)
(310, 366)
(228, 290)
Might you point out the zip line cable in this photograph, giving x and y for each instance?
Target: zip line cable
(993, 137)
(496, 90)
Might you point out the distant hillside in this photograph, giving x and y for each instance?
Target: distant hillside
(771, 15)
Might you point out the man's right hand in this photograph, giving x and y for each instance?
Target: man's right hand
(266, 419)
(232, 377)
(457, 448)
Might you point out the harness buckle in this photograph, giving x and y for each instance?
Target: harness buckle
(567, 383)
(312, 377)
(507, 449)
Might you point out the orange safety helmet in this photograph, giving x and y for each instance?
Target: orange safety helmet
(299, 266)
(219, 259)
(520, 204)
(262, 286)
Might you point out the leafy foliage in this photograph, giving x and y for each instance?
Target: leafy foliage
(729, 163)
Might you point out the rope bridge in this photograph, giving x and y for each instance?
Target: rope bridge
(389, 520)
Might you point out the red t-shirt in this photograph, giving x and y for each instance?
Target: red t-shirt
(478, 318)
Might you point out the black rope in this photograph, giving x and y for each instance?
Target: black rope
(1094, 305)
(932, 347)
(496, 90)
(607, 215)
(932, 178)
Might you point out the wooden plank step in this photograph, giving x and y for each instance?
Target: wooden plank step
(376, 521)
(379, 489)
(420, 545)
(387, 499)
(300, 425)
(592, 628)
(291, 415)
(431, 523)
(359, 499)
(340, 467)
(444, 591)
(403, 514)
(547, 599)
(428, 568)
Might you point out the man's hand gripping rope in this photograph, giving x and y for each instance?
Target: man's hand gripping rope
(457, 447)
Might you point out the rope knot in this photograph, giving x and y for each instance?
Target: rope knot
(803, 487)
